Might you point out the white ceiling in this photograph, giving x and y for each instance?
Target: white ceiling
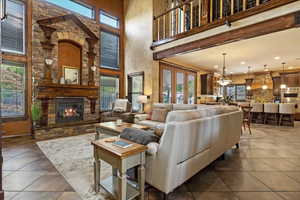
(255, 52)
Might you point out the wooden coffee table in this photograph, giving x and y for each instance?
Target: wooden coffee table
(121, 159)
(111, 128)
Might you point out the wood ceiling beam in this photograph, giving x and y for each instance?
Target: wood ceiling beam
(262, 28)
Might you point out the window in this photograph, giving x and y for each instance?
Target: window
(135, 89)
(75, 6)
(12, 87)
(13, 28)
(109, 50)
(109, 91)
(179, 88)
(191, 89)
(167, 86)
(177, 85)
(241, 93)
(109, 20)
(237, 92)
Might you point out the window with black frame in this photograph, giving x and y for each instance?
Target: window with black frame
(13, 28)
(12, 83)
(135, 89)
(109, 50)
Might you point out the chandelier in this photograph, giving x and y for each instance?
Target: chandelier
(223, 81)
(265, 86)
(249, 86)
(283, 85)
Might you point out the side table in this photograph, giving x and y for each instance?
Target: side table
(121, 159)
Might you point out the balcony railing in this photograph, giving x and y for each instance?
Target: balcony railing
(194, 16)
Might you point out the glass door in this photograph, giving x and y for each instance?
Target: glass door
(166, 86)
(191, 88)
(180, 87)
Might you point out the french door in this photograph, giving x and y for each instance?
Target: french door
(177, 85)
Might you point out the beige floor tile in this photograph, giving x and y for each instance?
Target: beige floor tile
(69, 196)
(18, 181)
(214, 196)
(277, 181)
(242, 181)
(289, 195)
(37, 196)
(206, 181)
(258, 196)
(53, 183)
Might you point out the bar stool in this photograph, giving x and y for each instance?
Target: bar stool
(257, 112)
(271, 112)
(287, 110)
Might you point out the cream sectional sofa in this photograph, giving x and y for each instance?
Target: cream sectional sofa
(191, 140)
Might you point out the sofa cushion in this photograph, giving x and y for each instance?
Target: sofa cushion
(120, 105)
(159, 115)
(169, 107)
(185, 115)
(184, 106)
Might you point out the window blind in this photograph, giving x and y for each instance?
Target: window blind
(13, 27)
(109, 50)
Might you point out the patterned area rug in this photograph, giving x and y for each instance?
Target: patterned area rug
(73, 158)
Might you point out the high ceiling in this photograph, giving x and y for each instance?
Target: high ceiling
(255, 52)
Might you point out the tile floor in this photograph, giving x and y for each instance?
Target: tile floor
(266, 167)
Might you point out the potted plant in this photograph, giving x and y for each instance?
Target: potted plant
(36, 113)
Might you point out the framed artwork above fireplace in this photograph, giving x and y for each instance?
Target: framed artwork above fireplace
(71, 75)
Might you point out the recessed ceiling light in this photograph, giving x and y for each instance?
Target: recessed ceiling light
(243, 62)
(216, 66)
(277, 58)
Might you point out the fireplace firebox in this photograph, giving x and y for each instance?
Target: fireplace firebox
(69, 110)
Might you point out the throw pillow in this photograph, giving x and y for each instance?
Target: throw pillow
(159, 115)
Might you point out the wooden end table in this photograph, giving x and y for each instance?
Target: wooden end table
(111, 128)
(121, 159)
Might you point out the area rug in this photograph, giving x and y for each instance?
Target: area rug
(73, 158)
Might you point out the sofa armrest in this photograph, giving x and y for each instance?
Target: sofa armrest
(140, 117)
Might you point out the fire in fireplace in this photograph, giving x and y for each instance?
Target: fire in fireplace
(69, 110)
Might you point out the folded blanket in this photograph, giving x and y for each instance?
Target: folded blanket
(139, 136)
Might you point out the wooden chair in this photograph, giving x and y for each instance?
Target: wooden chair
(246, 118)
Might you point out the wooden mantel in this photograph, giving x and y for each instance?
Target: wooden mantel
(52, 91)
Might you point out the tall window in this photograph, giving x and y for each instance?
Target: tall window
(177, 85)
(13, 28)
(109, 20)
(109, 92)
(75, 6)
(135, 89)
(109, 51)
(167, 86)
(237, 92)
(191, 89)
(12, 83)
(180, 87)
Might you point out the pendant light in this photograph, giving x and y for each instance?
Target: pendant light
(283, 86)
(223, 81)
(264, 87)
(249, 86)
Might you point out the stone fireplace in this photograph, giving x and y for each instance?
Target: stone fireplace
(69, 110)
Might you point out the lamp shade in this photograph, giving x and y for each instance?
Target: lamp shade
(264, 87)
(142, 99)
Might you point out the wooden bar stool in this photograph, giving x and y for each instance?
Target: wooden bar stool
(257, 112)
(271, 112)
(287, 113)
(246, 118)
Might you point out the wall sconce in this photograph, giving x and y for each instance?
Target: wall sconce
(48, 61)
(93, 68)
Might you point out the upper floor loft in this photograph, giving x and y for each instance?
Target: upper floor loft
(186, 21)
